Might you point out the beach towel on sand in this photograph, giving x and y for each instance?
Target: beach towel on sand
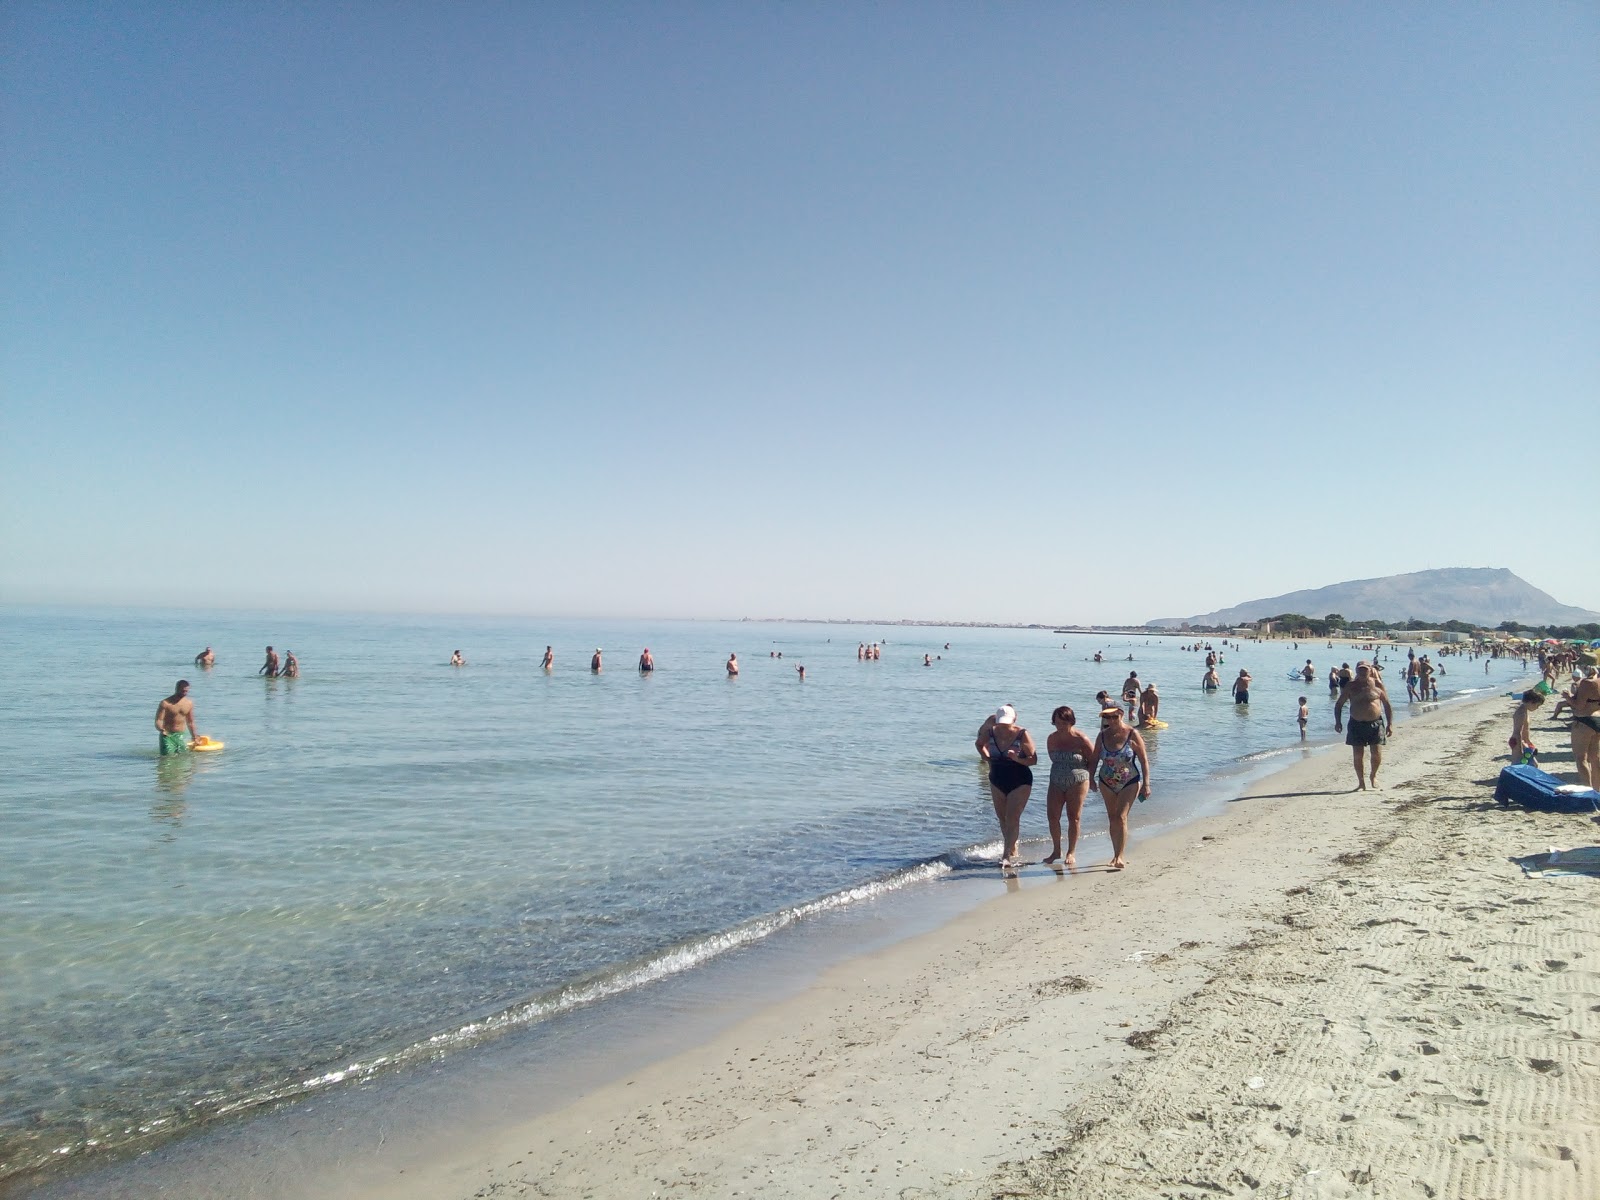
(1585, 860)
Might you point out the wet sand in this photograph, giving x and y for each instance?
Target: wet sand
(1320, 992)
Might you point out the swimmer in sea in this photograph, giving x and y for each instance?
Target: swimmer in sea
(549, 658)
(291, 666)
(733, 665)
(205, 658)
(802, 671)
(1149, 705)
(1211, 681)
(270, 667)
(594, 663)
(456, 660)
(646, 662)
(1302, 717)
(173, 716)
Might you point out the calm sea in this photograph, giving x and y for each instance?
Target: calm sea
(393, 858)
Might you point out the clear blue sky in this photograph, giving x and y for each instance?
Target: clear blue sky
(1058, 312)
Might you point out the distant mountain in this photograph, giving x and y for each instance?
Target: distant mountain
(1482, 595)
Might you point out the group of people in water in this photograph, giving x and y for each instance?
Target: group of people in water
(273, 668)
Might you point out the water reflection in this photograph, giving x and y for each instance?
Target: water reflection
(174, 774)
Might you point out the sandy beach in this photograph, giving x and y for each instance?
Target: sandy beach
(1320, 992)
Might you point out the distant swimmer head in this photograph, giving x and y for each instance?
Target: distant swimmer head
(1005, 715)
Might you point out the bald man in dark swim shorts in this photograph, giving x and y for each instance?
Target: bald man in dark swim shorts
(1371, 721)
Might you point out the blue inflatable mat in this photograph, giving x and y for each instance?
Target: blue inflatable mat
(1533, 788)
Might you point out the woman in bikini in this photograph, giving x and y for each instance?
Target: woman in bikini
(1069, 750)
(1008, 749)
(1119, 769)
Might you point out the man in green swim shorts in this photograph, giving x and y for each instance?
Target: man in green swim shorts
(173, 715)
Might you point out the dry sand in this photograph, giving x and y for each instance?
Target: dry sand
(1319, 993)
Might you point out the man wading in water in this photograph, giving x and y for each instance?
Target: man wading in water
(173, 716)
(1371, 721)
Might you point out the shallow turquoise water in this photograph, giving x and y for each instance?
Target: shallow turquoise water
(393, 857)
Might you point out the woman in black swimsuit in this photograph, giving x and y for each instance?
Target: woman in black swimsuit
(1008, 749)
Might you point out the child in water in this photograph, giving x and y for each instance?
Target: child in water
(1304, 716)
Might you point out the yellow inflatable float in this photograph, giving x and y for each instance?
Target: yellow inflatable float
(204, 743)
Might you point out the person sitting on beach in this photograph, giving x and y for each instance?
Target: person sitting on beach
(1211, 681)
(647, 662)
(733, 665)
(1371, 721)
(270, 667)
(1241, 687)
(173, 716)
(456, 660)
(1149, 704)
(1009, 750)
(1069, 749)
(1521, 741)
(291, 666)
(205, 658)
(1119, 769)
(1586, 727)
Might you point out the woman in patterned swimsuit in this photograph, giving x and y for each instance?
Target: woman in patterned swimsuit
(1119, 769)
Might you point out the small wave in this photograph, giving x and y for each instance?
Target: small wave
(650, 969)
(1260, 755)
